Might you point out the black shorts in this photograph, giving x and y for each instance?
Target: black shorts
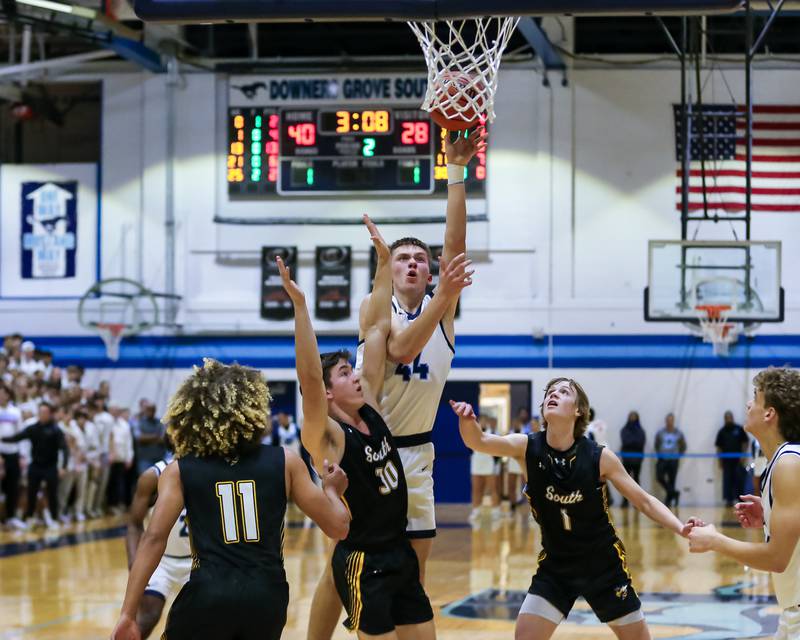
(380, 589)
(603, 580)
(229, 607)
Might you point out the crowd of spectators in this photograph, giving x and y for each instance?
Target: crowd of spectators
(67, 451)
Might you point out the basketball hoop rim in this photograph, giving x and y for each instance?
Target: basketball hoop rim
(710, 313)
(117, 329)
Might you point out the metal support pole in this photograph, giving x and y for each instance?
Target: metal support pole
(748, 81)
(700, 115)
(169, 209)
(752, 48)
(686, 126)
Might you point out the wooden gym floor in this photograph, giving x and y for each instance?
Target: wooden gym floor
(69, 586)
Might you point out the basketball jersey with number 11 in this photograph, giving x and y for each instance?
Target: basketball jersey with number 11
(411, 392)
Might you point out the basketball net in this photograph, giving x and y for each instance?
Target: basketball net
(111, 333)
(462, 75)
(715, 327)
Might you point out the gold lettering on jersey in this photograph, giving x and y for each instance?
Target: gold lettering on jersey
(572, 498)
(380, 454)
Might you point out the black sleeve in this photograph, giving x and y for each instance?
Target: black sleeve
(25, 434)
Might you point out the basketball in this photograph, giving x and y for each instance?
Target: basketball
(458, 95)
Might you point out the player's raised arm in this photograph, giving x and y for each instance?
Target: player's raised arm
(376, 319)
(454, 276)
(151, 547)
(459, 152)
(611, 469)
(316, 436)
(512, 445)
(784, 526)
(146, 486)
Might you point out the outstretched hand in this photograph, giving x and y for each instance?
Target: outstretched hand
(463, 410)
(690, 524)
(454, 276)
(381, 248)
(750, 512)
(295, 293)
(701, 539)
(464, 148)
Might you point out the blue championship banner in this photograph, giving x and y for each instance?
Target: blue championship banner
(49, 229)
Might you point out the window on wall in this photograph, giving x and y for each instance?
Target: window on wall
(51, 122)
(724, 34)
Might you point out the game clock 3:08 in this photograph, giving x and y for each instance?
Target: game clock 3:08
(342, 121)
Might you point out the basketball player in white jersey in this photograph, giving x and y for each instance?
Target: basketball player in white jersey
(773, 417)
(176, 563)
(419, 352)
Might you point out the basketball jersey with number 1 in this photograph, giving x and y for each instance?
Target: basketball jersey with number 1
(411, 392)
(787, 584)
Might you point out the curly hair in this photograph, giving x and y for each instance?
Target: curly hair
(781, 389)
(220, 410)
(582, 420)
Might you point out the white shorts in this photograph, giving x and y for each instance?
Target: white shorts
(482, 464)
(513, 466)
(418, 468)
(168, 578)
(789, 624)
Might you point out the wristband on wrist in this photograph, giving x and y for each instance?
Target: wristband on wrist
(455, 173)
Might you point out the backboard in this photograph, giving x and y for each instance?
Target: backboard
(185, 11)
(684, 275)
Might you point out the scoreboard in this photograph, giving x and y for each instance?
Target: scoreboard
(333, 149)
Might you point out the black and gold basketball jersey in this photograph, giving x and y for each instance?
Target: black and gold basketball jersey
(235, 512)
(567, 498)
(376, 495)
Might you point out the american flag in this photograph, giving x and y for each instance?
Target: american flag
(776, 158)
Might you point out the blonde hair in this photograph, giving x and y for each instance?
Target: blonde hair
(220, 410)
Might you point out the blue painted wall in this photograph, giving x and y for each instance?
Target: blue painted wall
(473, 351)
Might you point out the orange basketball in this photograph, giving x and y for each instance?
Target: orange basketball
(459, 88)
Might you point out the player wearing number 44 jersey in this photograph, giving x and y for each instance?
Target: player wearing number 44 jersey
(566, 486)
(234, 490)
(374, 569)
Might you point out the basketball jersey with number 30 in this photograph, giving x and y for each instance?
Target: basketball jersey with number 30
(411, 392)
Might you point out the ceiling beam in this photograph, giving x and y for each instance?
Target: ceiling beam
(537, 38)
